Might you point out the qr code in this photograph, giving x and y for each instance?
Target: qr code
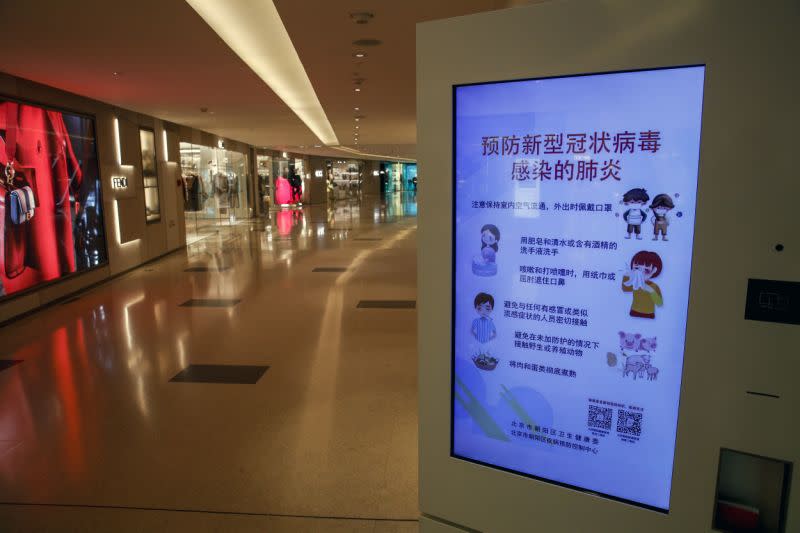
(629, 422)
(599, 417)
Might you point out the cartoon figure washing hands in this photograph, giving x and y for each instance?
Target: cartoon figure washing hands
(645, 266)
(484, 264)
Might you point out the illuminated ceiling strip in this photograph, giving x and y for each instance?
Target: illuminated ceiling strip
(255, 32)
(379, 156)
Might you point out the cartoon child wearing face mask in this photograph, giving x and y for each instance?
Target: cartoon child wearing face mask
(484, 265)
(634, 200)
(645, 266)
(661, 205)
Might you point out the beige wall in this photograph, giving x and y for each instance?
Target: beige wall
(123, 210)
(317, 186)
(372, 183)
(746, 204)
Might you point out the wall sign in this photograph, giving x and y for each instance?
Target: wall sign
(573, 226)
(318, 173)
(119, 182)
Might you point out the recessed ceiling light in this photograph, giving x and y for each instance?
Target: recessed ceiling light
(367, 42)
(357, 119)
(355, 108)
(358, 89)
(361, 17)
(360, 55)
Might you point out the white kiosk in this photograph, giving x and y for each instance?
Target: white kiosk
(609, 267)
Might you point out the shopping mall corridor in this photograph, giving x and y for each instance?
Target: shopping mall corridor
(94, 435)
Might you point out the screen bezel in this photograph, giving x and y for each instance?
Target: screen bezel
(453, 206)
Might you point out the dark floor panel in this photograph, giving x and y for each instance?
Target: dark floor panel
(8, 363)
(207, 269)
(73, 299)
(206, 302)
(233, 374)
(329, 269)
(387, 304)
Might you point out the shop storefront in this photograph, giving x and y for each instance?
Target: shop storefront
(290, 177)
(90, 191)
(215, 188)
(345, 177)
(264, 184)
(398, 177)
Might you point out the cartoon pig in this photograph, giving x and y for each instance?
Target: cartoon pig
(648, 344)
(629, 341)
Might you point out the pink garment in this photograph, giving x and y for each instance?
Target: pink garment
(283, 191)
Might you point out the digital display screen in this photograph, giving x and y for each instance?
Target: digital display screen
(573, 225)
(52, 224)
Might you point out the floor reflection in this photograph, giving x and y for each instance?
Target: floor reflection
(89, 416)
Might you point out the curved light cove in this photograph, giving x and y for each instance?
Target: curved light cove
(255, 32)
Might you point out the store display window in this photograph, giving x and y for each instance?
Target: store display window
(264, 169)
(399, 177)
(152, 204)
(285, 184)
(52, 220)
(214, 188)
(346, 177)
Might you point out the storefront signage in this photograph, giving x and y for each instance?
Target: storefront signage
(119, 182)
(574, 205)
(318, 173)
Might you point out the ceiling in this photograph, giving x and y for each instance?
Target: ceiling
(169, 63)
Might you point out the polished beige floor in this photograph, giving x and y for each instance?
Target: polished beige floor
(96, 438)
